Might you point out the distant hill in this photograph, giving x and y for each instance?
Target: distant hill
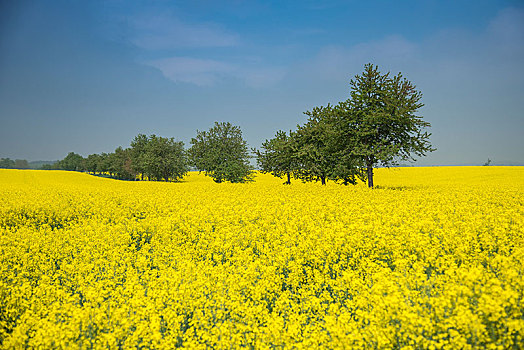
(37, 164)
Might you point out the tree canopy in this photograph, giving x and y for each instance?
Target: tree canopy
(221, 153)
(379, 122)
(164, 158)
(278, 156)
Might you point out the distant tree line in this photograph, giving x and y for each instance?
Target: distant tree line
(376, 126)
(149, 158)
(221, 153)
(7, 163)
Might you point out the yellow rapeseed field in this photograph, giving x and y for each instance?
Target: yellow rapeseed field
(432, 258)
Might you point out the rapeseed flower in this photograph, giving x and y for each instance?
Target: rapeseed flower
(432, 258)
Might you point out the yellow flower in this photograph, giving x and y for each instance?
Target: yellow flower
(433, 258)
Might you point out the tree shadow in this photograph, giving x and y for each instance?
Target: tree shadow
(395, 188)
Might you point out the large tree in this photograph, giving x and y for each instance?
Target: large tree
(165, 159)
(278, 156)
(379, 122)
(221, 153)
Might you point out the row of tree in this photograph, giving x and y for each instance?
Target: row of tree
(377, 125)
(221, 153)
(7, 163)
(151, 158)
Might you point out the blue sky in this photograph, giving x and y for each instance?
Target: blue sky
(87, 76)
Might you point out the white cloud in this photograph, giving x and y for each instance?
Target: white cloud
(164, 31)
(201, 72)
(207, 72)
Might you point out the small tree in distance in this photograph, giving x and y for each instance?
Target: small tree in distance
(221, 153)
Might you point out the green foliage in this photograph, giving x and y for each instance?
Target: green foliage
(222, 153)
(164, 158)
(319, 149)
(315, 146)
(104, 163)
(39, 164)
(21, 164)
(91, 163)
(7, 163)
(278, 156)
(120, 164)
(379, 122)
(72, 162)
(158, 158)
(139, 154)
(49, 166)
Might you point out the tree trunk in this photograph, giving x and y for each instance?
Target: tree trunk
(323, 179)
(370, 175)
(288, 182)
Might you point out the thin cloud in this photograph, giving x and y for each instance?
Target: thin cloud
(207, 72)
(165, 32)
(455, 56)
(200, 72)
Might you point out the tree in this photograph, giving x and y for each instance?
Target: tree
(379, 121)
(138, 154)
(72, 162)
(120, 164)
(21, 164)
(319, 152)
(222, 153)
(164, 158)
(7, 163)
(278, 156)
(91, 163)
(315, 146)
